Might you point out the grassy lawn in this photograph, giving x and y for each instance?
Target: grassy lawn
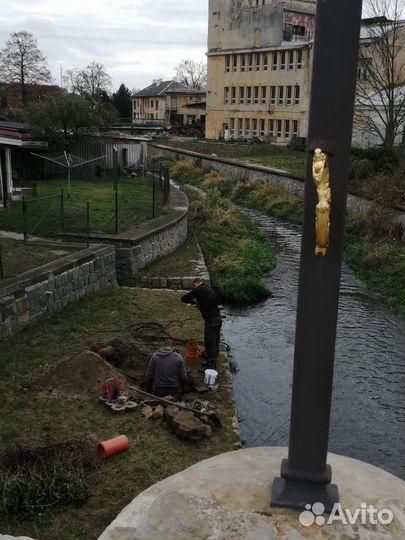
(180, 263)
(32, 419)
(44, 216)
(18, 257)
(283, 158)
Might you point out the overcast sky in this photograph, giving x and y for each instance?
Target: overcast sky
(136, 40)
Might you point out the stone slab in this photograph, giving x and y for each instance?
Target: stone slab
(228, 497)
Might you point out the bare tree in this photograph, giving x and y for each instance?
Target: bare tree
(90, 82)
(380, 100)
(22, 62)
(192, 74)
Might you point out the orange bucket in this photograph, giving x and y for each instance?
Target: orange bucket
(113, 446)
(192, 351)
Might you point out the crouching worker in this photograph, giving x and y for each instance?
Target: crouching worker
(166, 374)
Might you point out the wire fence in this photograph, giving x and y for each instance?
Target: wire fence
(112, 207)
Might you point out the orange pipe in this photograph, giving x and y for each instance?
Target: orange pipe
(113, 446)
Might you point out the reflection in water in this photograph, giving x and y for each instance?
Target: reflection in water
(368, 405)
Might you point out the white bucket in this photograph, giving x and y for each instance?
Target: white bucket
(210, 376)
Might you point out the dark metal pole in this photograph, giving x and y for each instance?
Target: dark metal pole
(116, 212)
(153, 197)
(305, 475)
(88, 223)
(24, 216)
(62, 211)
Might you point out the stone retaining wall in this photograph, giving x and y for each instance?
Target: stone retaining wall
(245, 171)
(48, 288)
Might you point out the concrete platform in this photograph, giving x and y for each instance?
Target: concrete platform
(227, 497)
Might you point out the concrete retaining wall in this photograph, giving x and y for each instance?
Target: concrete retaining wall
(48, 288)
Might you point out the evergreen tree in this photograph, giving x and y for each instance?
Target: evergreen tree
(122, 101)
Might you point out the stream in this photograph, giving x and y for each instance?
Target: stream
(368, 402)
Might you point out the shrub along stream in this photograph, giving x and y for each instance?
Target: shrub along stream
(375, 253)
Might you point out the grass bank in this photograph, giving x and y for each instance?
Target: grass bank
(278, 157)
(376, 258)
(47, 215)
(17, 257)
(237, 253)
(34, 419)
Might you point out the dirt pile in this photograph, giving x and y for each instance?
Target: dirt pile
(80, 375)
(127, 357)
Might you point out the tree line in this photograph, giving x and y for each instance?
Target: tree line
(87, 103)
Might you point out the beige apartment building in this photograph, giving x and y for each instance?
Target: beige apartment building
(170, 103)
(259, 69)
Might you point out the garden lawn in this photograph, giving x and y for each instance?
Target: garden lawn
(32, 420)
(18, 257)
(47, 215)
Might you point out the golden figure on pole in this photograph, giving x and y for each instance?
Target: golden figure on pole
(320, 174)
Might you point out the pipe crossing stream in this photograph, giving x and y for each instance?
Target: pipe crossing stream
(368, 402)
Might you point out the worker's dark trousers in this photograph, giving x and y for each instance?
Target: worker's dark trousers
(212, 336)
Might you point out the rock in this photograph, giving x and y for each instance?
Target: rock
(158, 412)
(186, 425)
(147, 411)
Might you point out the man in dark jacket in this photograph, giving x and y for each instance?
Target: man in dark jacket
(207, 302)
(166, 373)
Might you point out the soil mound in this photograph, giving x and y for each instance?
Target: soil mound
(80, 375)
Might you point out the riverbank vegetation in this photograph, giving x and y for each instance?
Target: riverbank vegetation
(373, 251)
(48, 405)
(371, 169)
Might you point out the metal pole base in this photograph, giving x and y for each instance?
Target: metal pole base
(298, 494)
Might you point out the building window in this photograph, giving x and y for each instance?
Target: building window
(250, 62)
(242, 95)
(254, 127)
(265, 62)
(232, 125)
(280, 95)
(288, 95)
(257, 55)
(298, 30)
(279, 126)
(272, 95)
(262, 125)
(264, 89)
(296, 94)
(271, 127)
(274, 61)
(295, 128)
(286, 128)
(247, 127)
(283, 58)
(256, 94)
(299, 59)
(290, 59)
(243, 62)
(240, 127)
(235, 62)
(156, 105)
(233, 94)
(226, 94)
(249, 95)
(227, 63)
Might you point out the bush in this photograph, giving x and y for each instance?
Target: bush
(361, 168)
(386, 189)
(223, 183)
(180, 168)
(382, 159)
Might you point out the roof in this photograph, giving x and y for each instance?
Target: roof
(160, 88)
(18, 126)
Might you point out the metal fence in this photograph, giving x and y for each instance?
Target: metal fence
(123, 208)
